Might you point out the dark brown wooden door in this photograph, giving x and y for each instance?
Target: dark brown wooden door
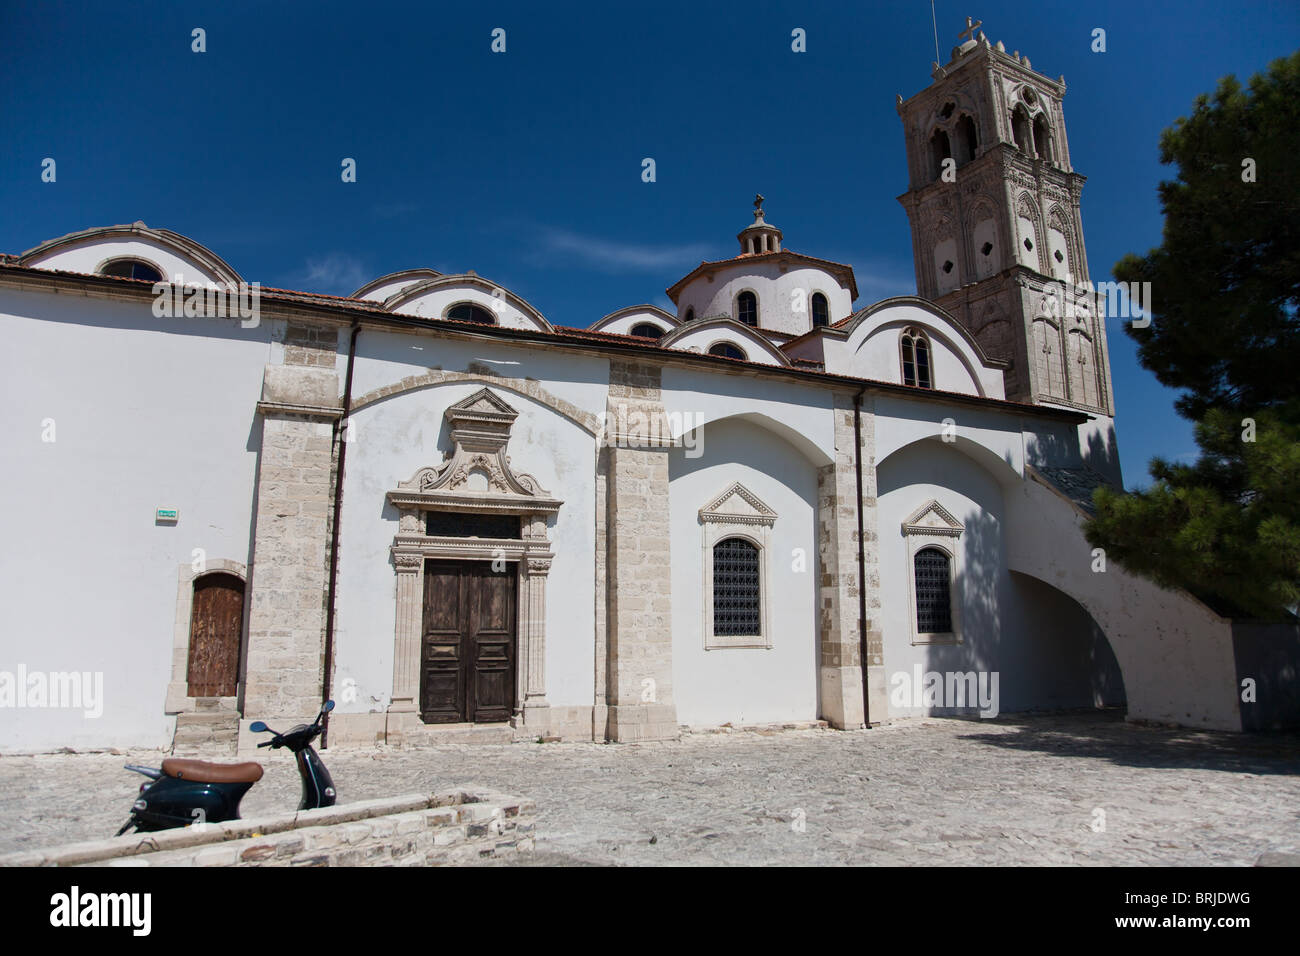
(216, 623)
(467, 656)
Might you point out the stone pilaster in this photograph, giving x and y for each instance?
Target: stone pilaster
(600, 709)
(840, 671)
(406, 656)
(536, 708)
(640, 663)
(286, 622)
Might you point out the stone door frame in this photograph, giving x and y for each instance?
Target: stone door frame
(475, 478)
(532, 556)
(178, 700)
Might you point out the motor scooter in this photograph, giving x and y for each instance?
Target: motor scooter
(186, 791)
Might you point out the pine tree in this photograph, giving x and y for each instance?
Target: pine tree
(1225, 329)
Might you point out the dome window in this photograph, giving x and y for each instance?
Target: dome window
(468, 312)
(131, 269)
(647, 331)
(821, 313)
(747, 309)
(727, 350)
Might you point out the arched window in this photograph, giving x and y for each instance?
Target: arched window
(1020, 130)
(647, 331)
(967, 139)
(727, 350)
(933, 595)
(747, 308)
(737, 603)
(821, 312)
(468, 312)
(131, 269)
(690, 314)
(940, 149)
(1042, 139)
(915, 349)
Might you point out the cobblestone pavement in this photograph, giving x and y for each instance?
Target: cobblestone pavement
(1017, 790)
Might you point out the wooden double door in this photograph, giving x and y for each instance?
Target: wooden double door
(468, 645)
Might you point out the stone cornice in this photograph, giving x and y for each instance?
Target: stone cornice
(312, 411)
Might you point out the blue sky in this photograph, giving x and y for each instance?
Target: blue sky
(526, 166)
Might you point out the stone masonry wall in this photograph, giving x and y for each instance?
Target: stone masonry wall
(639, 573)
(449, 827)
(840, 670)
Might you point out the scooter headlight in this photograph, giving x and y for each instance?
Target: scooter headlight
(140, 805)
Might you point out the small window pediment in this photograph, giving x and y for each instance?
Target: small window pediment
(933, 518)
(737, 505)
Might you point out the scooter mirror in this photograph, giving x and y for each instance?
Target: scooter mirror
(257, 727)
(329, 705)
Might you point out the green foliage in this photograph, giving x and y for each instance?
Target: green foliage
(1226, 279)
(1226, 528)
(1225, 286)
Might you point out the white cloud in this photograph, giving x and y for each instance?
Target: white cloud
(615, 256)
(336, 273)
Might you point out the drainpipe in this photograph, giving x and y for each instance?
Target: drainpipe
(862, 559)
(334, 533)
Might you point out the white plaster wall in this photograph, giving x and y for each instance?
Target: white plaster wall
(879, 358)
(149, 413)
(86, 257)
(702, 339)
(1176, 654)
(622, 324)
(811, 348)
(381, 292)
(746, 685)
(398, 436)
(871, 351)
(799, 413)
(995, 437)
(434, 303)
(386, 357)
(774, 288)
(1045, 648)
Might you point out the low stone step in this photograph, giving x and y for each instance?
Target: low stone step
(211, 733)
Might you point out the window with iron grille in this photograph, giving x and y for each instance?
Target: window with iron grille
(736, 599)
(933, 600)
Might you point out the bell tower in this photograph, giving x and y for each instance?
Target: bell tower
(997, 239)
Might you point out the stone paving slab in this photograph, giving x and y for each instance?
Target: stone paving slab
(1013, 791)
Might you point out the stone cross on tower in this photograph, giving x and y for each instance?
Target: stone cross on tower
(969, 32)
(758, 205)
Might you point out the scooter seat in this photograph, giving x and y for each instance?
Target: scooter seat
(201, 771)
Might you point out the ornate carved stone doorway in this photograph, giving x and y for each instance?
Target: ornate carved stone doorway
(466, 510)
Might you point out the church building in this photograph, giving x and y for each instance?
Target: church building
(770, 505)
